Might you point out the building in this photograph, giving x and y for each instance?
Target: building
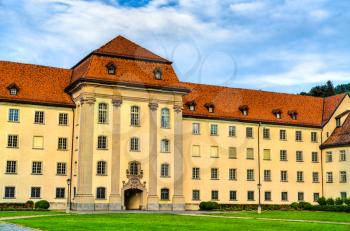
(127, 134)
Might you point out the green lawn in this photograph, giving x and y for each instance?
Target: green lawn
(296, 215)
(25, 213)
(163, 222)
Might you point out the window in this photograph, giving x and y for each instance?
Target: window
(164, 194)
(250, 153)
(11, 167)
(300, 196)
(267, 175)
(62, 143)
(213, 129)
(158, 74)
(231, 131)
(111, 69)
(63, 119)
(338, 122)
(195, 173)
(249, 132)
(267, 154)
(329, 177)
(101, 193)
(284, 176)
(232, 153)
(196, 150)
(195, 128)
(315, 177)
(39, 117)
(244, 109)
(134, 168)
(215, 195)
(101, 168)
(60, 193)
(214, 173)
(135, 116)
(250, 195)
(266, 133)
(267, 196)
(314, 157)
(283, 155)
(12, 141)
(214, 151)
(38, 142)
(329, 157)
(284, 196)
(316, 196)
(102, 142)
(36, 168)
(102, 113)
(283, 135)
(342, 155)
(298, 136)
(300, 176)
(343, 196)
(342, 177)
(164, 145)
(134, 144)
(232, 174)
(13, 115)
(9, 192)
(233, 195)
(299, 156)
(250, 174)
(196, 195)
(35, 192)
(165, 118)
(61, 169)
(13, 91)
(313, 136)
(164, 170)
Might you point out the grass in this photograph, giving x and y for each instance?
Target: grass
(296, 215)
(25, 213)
(169, 222)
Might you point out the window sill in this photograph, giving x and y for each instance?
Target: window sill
(35, 198)
(299, 161)
(39, 123)
(196, 134)
(315, 182)
(196, 156)
(249, 158)
(268, 200)
(283, 139)
(61, 174)
(300, 181)
(36, 174)
(165, 176)
(102, 149)
(62, 125)
(17, 122)
(60, 198)
(214, 135)
(135, 126)
(284, 181)
(250, 137)
(233, 200)
(12, 147)
(10, 173)
(101, 175)
(250, 180)
(315, 162)
(232, 158)
(215, 179)
(232, 179)
(165, 127)
(62, 150)
(267, 138)
(232, 136)
(196, 199)
(38, 148)
(329, 182)
(298, 141)
(267, 180)
(103, 123)
(267, 159)
(134, 150)
(101, 199)
(167, 152)
(284, 160)
(215, 157)
(9, 198)
(196, 178)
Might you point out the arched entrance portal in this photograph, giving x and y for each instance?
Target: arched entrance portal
(133, 199)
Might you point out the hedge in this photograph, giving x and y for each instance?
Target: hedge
(29, 205)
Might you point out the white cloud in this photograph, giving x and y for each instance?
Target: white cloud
(247, 7)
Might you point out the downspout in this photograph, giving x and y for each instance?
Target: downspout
(71, 163)
(322, 184)
(259, 180)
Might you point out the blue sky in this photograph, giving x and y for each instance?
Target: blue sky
(275, 45)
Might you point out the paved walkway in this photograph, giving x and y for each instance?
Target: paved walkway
(30, 216)
(269, 219)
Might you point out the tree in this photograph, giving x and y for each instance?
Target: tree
(327, 89)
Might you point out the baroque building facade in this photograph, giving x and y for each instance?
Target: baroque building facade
(120, 131)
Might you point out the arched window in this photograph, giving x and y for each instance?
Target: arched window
(101, 193)
(102, 113)
(102, 142)
(135, 116)
(101, 167)
(164, 194)
(165, 120)
(158, 74)
(111, 69)
(134, 144)
(134, 168)
(164, 170)
(164, 145)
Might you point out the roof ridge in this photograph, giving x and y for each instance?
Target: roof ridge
(33, 64)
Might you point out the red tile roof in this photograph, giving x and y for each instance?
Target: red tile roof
(340, 136)
(37, 84)
(330, 105)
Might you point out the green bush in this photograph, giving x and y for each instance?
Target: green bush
(330, 201)
(294, 205)
(208, 205)
(347, 201)
(322, 201)
(304, 205)
(339, 201)
(42, 204)
(29, 204)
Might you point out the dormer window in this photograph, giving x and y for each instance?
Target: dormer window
(158, 74)
(244, 109)
(338, 122)
(210, 107)
(111, 69)
(191, 105)
(277, 113)
(293, 114)
(13, 89)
